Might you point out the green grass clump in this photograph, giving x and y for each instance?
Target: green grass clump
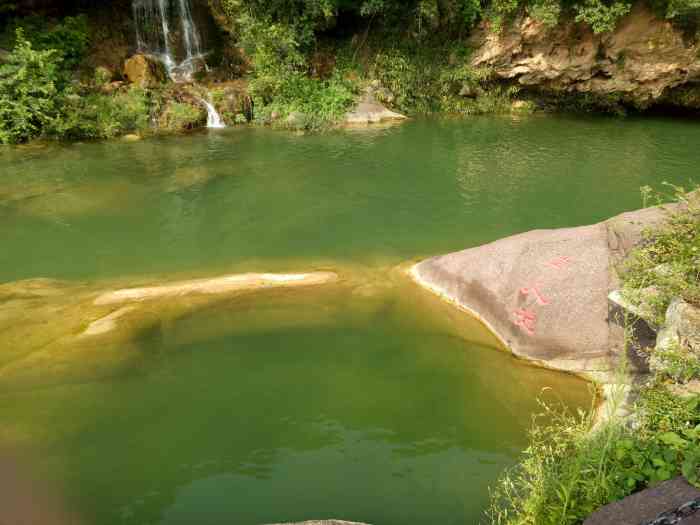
(570, 469)
(675, 363)
(667, 260)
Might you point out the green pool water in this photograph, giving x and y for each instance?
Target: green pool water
(373, 404)
(368, 400)
(252, 198)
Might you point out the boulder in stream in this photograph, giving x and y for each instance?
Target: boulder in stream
(370, 111)
(544, 293)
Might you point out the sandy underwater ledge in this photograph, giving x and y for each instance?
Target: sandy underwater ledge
(55, 332)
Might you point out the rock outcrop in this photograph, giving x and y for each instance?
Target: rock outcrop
(642, 61)
(144, 71)
(370, 111)
(544, 293)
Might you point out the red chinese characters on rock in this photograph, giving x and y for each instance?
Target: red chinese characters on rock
(559, 263)
(526, 319)
(541, 300)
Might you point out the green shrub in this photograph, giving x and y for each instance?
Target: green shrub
(429, 78)
(316, 103)
(103, 116)
(668, 260)
(546, 11)
(676, 363)
(565, 474)
(181, 116)
(601, 16)
(69, 37)
(30, 96)
(570, 469)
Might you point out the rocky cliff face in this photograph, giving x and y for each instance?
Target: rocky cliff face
(646, 60)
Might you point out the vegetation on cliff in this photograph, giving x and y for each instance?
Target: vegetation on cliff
(306, 62)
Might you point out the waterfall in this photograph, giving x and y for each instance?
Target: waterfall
(213, 117)
(157, 21)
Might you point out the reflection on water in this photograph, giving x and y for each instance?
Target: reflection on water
(426, 187)
(374, 402)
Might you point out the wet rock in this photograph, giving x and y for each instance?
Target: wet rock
(144, 71)
(4, 55)
(370, 111)
(642, 60)
(186, 71)
(131, 137)
(213, 286)
(233, 102)
(544, 293)
(54, 332)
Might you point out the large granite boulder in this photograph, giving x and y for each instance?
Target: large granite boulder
(544, 293)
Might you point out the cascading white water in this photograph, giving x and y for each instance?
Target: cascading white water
(154, 20)
(213, 117)
(154, 36)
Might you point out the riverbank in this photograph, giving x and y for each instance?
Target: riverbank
(270, 68)
(645, 431)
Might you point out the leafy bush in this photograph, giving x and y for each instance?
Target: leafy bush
(668, 259)
(102, 116)
(570, 469)
(69, 37)
(546, 11)
(30, 94)
(676, 363)
(429, 79)
(601, 16)
(181, 116)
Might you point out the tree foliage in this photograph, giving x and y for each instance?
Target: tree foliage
(30, 91)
